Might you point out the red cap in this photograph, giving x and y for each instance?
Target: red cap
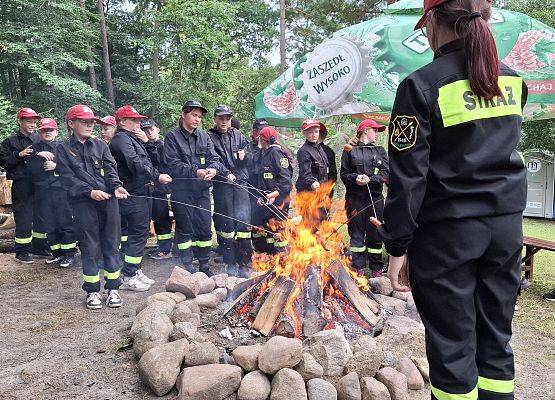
(128, 112)
(108, 120)
(369, 123)
(26, 112)
(268, 133)
(428, 5)
(310, 123)
(48, 123)
(80, 111)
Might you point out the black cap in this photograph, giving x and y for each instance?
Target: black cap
(222, 109)
(194, 104)
(235, 123)
(147, 123)
(260, 123)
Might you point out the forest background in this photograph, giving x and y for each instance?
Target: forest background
(154, 54)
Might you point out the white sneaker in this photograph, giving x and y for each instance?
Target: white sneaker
(94, 301)
(144, 279)
(114, 299)
(133, 283)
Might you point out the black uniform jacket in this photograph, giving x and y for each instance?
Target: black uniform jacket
(332, 165)
(227, 145)
(135, 167)
(44, 180)
(367, 160)
(313, 165)
(452, 154)
(253, 152)
(156, 154)
(9, 155)
(86, 166)
(275, 172)
(185, 153)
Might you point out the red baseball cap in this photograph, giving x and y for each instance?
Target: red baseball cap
(80, 111)
(27, 112)
(369, 123)
(128, 112)
(109, 120)
(311, 123)
(268, 133)
(429, 5)
(48, 123)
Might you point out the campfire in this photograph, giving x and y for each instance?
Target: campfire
(310, 287)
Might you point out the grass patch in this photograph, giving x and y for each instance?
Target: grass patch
(534, 312)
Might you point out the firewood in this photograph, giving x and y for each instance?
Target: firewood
(273, 306)
(248, 293)
(343, 281)
(313, 318)
(285, 326)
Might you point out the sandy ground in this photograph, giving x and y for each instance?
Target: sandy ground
(52, 347)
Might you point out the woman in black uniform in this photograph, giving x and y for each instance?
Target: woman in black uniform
(456, 195)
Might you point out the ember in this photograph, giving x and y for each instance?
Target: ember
(309, 287)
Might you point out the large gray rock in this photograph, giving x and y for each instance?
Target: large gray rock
(247, 356)
(401, 295)
(410, 310)
(202, 354)
(154, 332)
(254, 386)
(193, 306)
(309, 367)
(348, 387)
(184, 282)
(160, 366)
(395, 306)
(220, 293)
(208, 382)
(319, 389)
(288, 384)
(220, 280)
(183, 330)
(180, 313)
(395, 382)
(381, 285)
(365, 362)
(403, 336)
(390, 359)
(279, 352)
(208, 300)
(152, 309)
(365, 342)
(414, 378)
(206, 284)
(423, 366)
(330, 349)
(162, 296)
(373, 389)
(176, 296)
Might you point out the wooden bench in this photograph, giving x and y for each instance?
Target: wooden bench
(533, 245)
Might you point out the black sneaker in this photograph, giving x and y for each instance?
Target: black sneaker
(42, 253)
(24, 258)
(67, 261)
(549, 296)
(53, 259)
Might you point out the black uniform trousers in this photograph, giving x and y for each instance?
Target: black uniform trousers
(55, 210)
(271, 243)
(465, 275)
(234, 236)
(162, 221)
(257, 219)
(23, 205)
(97, 225)
(135, 216)
(41, 220)
(193, 227)
(366, 244)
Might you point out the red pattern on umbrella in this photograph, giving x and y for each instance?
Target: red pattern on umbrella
(521, 57)
(282, 104)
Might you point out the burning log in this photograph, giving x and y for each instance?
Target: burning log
(285, 326)
(345, 283)
(313, 318)
(273, 306)
(247, 291)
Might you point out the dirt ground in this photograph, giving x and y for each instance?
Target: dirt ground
(52, 347)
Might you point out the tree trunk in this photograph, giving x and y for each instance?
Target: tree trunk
(106, 54)
(282, 52)
(85, 21)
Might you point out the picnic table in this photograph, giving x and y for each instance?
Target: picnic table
(532, 246)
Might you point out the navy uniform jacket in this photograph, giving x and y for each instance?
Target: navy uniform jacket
(185, 153)
(227, 145)
(9, 155)
(133, 161)
(86, 166)
(332, 169)
(44, 180)
(367, 160)
(275, 173)
(313, 165)
(452, 154)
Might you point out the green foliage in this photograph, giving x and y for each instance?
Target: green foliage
(7, 121)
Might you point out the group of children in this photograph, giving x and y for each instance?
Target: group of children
(102, 193)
